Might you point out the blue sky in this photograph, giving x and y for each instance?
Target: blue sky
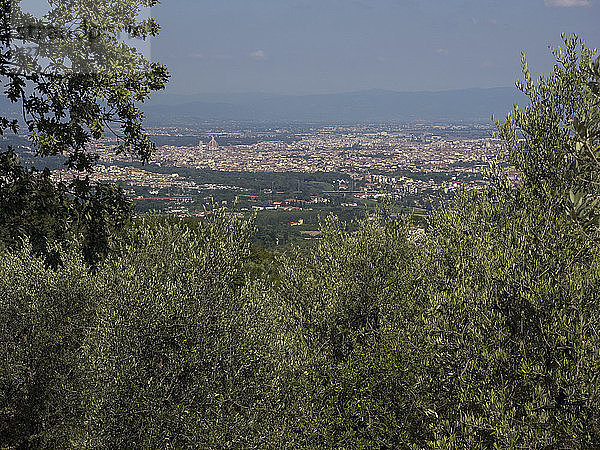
(318, 46)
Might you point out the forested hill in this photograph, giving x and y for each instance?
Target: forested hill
(364, 106)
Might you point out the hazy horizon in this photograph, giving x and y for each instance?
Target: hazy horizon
(316, 93)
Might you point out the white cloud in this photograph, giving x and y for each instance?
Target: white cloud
(442, 51)
(259, 55)
(566, 3)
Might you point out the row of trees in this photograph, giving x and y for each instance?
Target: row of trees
(483, 332)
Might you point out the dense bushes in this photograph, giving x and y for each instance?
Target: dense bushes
(44, 315)
(168, 347)
(339, 314)
(509, 333)
(147, 351)
(483, 332)
(50, 214)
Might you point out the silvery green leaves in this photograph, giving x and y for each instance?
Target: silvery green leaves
(587, 125)
(553, 141)
(594, 69)
(583, 210)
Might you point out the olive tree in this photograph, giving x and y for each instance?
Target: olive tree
(554, 141)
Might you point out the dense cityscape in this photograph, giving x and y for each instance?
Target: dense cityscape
(371, 162)
(293, 175)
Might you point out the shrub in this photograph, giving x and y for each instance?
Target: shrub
(171, 361)
(44, 315)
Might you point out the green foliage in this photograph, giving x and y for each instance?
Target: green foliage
(509, 329)
(149, 350)
(172, 342)
(44, 315)
(73, 80)
(32, 206)
(482, 332)
(554, 141)
(103, 213)
(334, 309)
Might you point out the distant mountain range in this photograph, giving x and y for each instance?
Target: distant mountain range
(364, 106)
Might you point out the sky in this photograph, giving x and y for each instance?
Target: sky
(327, 46)
(323, 46)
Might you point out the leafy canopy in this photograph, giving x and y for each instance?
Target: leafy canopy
(554, 141)
(73, 77)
